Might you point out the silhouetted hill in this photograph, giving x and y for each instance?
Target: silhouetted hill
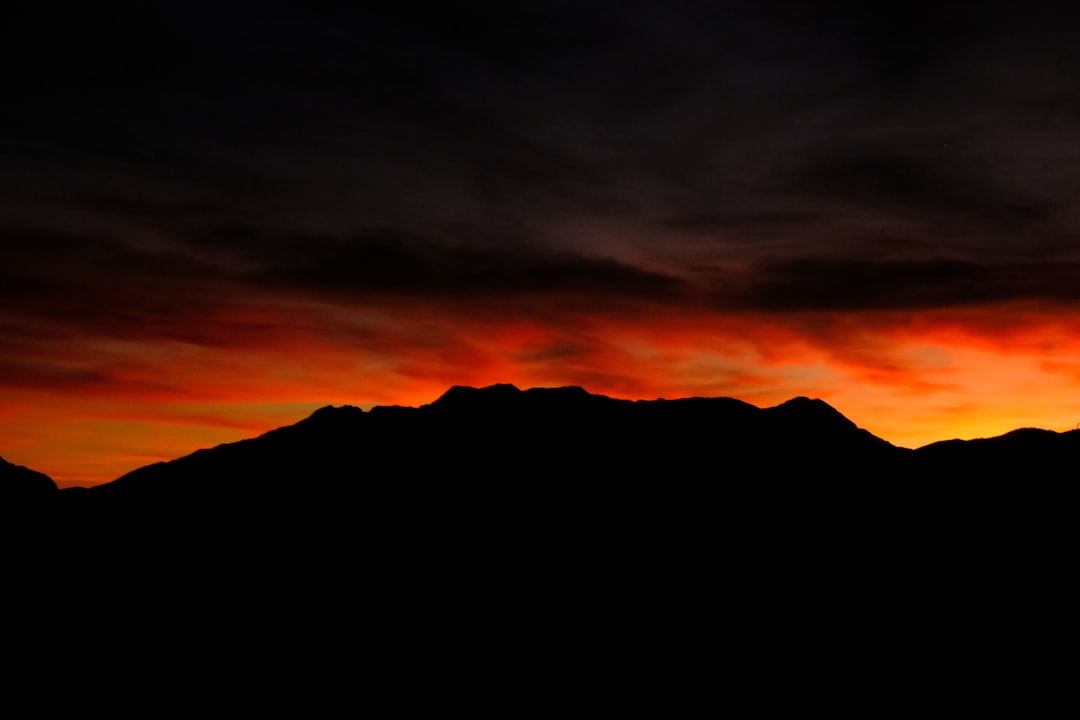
(508, 460)
(545, 516)
(502, 441)
(21, 486)
(1026, 452)
(498, 455)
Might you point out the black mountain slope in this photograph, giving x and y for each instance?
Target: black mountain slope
(503, 534)
(20, 486)
(551, 515)
(494, 485)
(500, 456)
(1022, 453)
(476, 448)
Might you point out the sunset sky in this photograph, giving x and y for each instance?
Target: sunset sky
(216, 217)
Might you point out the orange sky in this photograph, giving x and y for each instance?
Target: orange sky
(213, 223)
(911, 378)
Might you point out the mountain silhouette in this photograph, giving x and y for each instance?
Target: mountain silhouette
(1025, 451)
(511, 461)
(510, 439)
(494, 460)
(544, 518)
(20, 486)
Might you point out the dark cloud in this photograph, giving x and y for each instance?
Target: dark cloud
(389, 264)
(84, 285)
(930, 183)
(161, 160)
(38, 374)
(750, 222)
(235, 284)
(855, 286)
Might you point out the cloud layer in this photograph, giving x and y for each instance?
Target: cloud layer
(214, 208)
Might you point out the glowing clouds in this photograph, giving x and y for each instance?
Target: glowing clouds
(97, 408)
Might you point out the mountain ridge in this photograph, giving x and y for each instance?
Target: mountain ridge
(22, 485)
(802, 420)
(560, 483)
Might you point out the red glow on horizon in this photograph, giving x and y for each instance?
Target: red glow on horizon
(909, 378)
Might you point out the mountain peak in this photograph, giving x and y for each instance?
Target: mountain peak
(566, 391)
(804, 401)
(21, 483)
(459, 394)
(335, 410)
(810, 410)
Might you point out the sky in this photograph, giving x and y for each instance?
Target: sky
(216, 217)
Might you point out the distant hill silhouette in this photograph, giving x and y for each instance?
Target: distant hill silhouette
(534, 523)
(1024, 452)
(507, 440)
(499, 460)
(545, 438)
(20, 485)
